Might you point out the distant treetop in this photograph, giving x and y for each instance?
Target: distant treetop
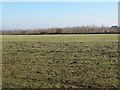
(114, 27)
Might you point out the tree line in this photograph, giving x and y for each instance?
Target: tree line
(69, 30)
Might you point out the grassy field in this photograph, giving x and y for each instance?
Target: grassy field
(60, 61)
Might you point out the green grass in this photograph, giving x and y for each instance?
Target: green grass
(63, 38)
(60, 61)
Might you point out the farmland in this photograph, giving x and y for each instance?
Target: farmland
(60, 61)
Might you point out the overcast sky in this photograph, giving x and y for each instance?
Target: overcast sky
(33, 15)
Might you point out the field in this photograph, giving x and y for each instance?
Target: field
(60, 61)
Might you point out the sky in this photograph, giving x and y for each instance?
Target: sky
(119, 14)
(37, 15)
(59, 0)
